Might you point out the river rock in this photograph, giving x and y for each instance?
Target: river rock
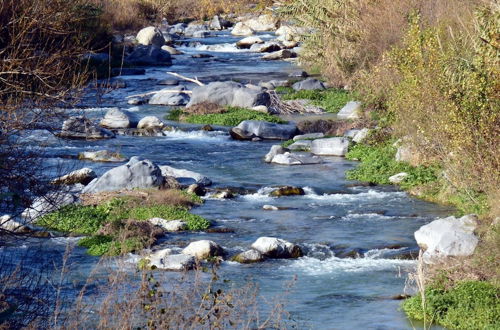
(223, 194)
(178, 28)
(280, 55)
(350, 111)
(229, 93)
(275, 150)
(272, 84)
(299, 74)
(308, 136)
(398, 178)
(115, 118)
(169, 225)
(241, 29)
(296, 159)
(336, 146)
(270, 208)
(164, 260)
(203, 249)
(137, 173)
(266, 130)
(150, 122)
(248, 42)
(196, 30)
(218, 23)
(171, 50)
(248, 257)
(48, 203)
(301, 145)
(289, 33)
(308, 84)
(9, 224)
(150, 36)
(172, 96)
(102, 156)
(185, 177)
(267, 47)
(272, 247)
(361, 135)
(262, 23)
(83, 176)
(196, 189)
(287, 191)
(448, 237)
(149, 56)
(80, 127)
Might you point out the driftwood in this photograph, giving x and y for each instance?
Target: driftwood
(195, 80)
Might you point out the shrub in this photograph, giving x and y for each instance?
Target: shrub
(468, 305)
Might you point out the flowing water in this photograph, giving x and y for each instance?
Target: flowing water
(353, 235)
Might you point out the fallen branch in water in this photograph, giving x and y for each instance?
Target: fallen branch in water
(196, 81)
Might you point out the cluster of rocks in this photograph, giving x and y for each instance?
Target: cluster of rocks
(263, 248)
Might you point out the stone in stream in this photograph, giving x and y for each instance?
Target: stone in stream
(165, 260)
(196, 30)
(148, 56)
(448, 237)
(308, 136)
(301, 145)
(277, 248)
(270, 208)
(10, 224)
(150, 122)
(48, 203)
(80, 127)
(350, 111)
(296, 159)
(398, 178)
(336, 146)
(138, 173)
(115, 118)
(196, 189)
(248, 257)
(309, 84)
(223, 194)
(171, 50)
(185, 177)
(150, 36)
(169, 225)
(203, 249)
(266, 130)
(276, 149)
(262, 23)
(280, 55)
(247, 42)
(172, 96)
(289, 33)
(83, 176)
(241, 29)
(267, 47)
(229, 93)
(102, 156)
(219, 23)
(287, 191)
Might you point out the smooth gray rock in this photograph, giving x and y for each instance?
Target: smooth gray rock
(178, 28)
(249, 257)
(169, 225)
(273, 247)
(48, 203)
(165, 260)
(308, 84)
(241, 29)
(361, 135)
(137, 173)
(308, 136)
(115, 118)
(272, 84)
(262, 23)
(267, 47)
(84, 176)
(280, 55)
(150, 122)
(276, 149)
(301, 145)
(203, 249)
(185, 177)
(296, 159)
(268, 131)
(448, 237)
(229, 94)
(10, 224)
(168, 96)
(149, 56)
(101, 156)
(350, 111)
(398, 178)
(336, 146)
(247, 42)
(150, 36)
(80, 127)
(194, 30)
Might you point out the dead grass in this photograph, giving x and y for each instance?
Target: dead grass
(204, 108)
(135, 198)
(328, 127)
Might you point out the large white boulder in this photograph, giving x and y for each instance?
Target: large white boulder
(336, 146)
(185, 177)
(150, 36)
(137, 173)
(165, 260)
(262, 23)
(173, 96)
(150, 122)
(115, 118)
(448, 237)
(266, 130)
(273, 247)
(203, 249)
(241, 29)
(9, 224)
(80, 127)
(350, 111)
(296, 159)
(276, 149)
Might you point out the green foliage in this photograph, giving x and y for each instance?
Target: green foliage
(378, 164)
(232, 117)
(174, 114)
(76, 219)
(194, 222)
(97, 245)
(287, 143)
(332, 100)
(468, 305)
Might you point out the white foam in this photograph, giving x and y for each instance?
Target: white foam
(221, 48)
(380, 253)
(215, 136)
(334, 265)
(65, 240)
(369, 195)
(366, 216)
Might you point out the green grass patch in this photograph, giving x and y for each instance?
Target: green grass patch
(468, 305)
(332, 100)
(232, 117)
(378, 164)
(287, 143)
(174, 114)
(88, 220)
